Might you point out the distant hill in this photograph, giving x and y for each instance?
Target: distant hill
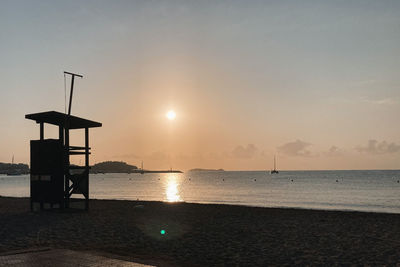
(10, 168)
(206, 170)
(113, 167)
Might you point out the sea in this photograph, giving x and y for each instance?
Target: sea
(358, 190)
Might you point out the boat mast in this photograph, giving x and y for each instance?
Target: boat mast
(274, 162)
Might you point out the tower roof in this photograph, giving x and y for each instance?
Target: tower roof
(61, 119)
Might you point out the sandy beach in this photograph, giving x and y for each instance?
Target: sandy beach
(205, 235)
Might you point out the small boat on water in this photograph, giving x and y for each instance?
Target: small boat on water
(142, 170)
(274, 170)
(16, 172)
(13, 171)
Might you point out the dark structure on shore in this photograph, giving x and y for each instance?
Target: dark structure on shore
(53, 178)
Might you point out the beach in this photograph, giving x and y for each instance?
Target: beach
(183, 234)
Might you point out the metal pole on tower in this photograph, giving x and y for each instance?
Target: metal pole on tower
(72, 89)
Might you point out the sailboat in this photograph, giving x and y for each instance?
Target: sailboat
(142, 171)
(274, 170)
(14, 171)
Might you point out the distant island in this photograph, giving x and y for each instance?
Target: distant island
(206, 170)
(101, 167)
(14, 169)
(123, 167)
(113, 166)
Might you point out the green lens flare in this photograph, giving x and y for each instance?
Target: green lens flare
(162, 232)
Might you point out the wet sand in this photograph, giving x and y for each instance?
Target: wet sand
(205, 235)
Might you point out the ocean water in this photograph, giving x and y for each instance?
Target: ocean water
(377, 190)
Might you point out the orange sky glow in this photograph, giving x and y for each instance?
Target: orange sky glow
(245, 82)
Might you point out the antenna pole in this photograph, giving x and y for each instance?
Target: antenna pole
(72, 89)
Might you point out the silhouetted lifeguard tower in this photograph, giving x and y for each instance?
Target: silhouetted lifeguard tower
(53, 178)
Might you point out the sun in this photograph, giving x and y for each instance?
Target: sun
(171, 115)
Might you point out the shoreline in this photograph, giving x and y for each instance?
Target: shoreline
(231, 204)
(205, 234)
(246, 206)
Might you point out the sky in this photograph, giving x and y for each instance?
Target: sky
(313, 82)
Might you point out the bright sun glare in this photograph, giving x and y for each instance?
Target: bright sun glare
(172, 189)
(171, 115)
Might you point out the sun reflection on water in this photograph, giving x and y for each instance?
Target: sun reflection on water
(172, 189)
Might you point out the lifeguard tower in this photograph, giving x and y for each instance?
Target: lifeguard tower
(53, 178)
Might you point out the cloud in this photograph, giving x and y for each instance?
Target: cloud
(333, 152)
(385, 101)
(382, 101)
(378, 148)
(296, 148)
(244, 152)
